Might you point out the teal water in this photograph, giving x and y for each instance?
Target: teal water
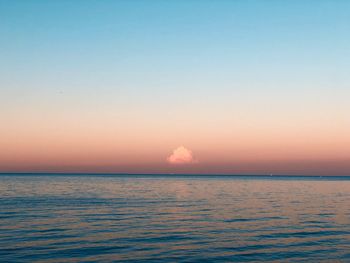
(102, 218)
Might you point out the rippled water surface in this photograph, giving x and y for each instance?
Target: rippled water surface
(173, 219)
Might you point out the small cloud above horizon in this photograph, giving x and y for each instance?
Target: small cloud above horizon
(181, 155)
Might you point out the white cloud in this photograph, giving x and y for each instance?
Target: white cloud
(181, 155)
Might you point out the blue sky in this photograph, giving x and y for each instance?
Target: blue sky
(177, 70)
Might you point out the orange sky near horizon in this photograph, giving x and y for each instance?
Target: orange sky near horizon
(90, 144)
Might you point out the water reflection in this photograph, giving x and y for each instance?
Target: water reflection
(78, 218)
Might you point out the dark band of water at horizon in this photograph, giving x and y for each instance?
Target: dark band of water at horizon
(163, 175)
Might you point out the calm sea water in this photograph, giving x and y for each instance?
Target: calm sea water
(173, 219)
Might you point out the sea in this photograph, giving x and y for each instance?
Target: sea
(173, 218)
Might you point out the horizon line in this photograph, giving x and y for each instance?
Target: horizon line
(169, 174)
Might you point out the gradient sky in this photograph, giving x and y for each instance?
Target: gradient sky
(116, 86)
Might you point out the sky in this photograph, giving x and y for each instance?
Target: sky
(233, 87)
